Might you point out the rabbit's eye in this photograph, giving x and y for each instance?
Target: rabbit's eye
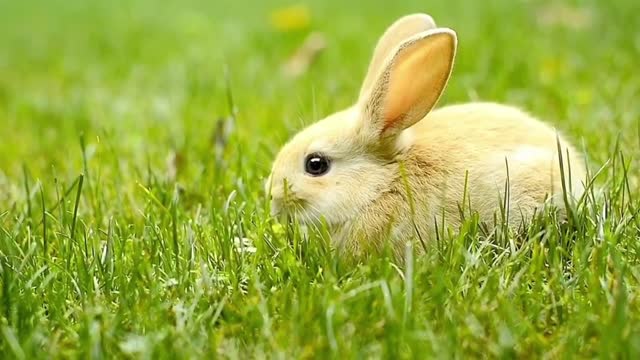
(317, 164)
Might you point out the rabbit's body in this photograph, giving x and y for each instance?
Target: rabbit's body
(388, 169)
(465, 145)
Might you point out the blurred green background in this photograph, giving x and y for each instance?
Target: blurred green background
(173, 111)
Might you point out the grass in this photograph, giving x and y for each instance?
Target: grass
(118, 212)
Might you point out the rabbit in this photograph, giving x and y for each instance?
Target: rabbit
(389, 170)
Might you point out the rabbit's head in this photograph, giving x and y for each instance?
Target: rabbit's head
(334, 168)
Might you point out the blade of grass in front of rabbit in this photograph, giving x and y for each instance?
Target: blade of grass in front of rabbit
(405, 180)
(287, 214)
(507, 209)
(563, 181)
(461, 206)
(408, 284)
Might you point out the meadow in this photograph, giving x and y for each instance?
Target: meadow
(135, 137)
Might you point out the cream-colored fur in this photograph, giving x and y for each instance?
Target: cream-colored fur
(398, 169)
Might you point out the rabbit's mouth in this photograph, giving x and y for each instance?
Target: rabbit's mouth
(299, 211)
(286, 207)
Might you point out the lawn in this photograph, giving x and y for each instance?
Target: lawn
(136, 137)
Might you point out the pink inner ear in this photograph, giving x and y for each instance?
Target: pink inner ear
(417, 79)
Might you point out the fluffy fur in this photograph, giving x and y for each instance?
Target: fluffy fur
(398, 169)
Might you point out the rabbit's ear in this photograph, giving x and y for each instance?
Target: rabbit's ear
(400, 30)
(410, 83)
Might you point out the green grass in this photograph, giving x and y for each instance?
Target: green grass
(103, 253)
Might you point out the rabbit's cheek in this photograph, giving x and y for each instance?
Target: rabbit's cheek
(318, 184)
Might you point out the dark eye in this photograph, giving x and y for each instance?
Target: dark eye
(317, 164)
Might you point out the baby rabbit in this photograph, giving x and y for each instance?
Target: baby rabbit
(389, 170)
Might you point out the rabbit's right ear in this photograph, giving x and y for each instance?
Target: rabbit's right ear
(399, 31)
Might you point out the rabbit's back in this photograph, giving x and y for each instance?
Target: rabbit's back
(485, 142)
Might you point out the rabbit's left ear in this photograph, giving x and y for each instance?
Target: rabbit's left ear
(410, 83)
(402, 29)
